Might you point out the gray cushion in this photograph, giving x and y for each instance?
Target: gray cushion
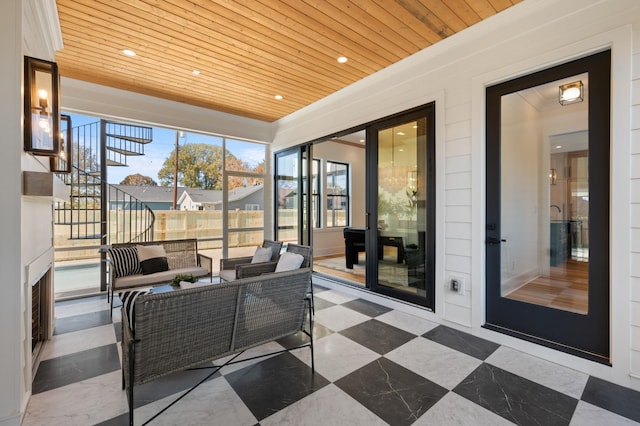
(228, 274)
(164, 277)
(262, 254)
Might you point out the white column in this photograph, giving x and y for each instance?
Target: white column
(13, 392)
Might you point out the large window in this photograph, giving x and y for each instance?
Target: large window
(337, 194)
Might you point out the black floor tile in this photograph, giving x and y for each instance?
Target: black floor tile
(378, 336)
(81, 322)
(395, 394)
(517, 399)
(300, 338)
(367, 308)
(612, 397)
(64, 370)
(117, 327)
(171, 384)
(462, 342)
(275, 383)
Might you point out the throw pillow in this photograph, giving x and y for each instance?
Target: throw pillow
(262, 254)
(128, 299)
(289, 261)
(125, 261)
(152, 259)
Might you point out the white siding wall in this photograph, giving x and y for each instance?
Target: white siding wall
(635, 206)
(527, 37)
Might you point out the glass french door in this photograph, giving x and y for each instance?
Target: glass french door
(293, 210)
(547, 217)
(400, 207)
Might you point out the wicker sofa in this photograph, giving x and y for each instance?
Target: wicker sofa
(182, 258)
(173, 331)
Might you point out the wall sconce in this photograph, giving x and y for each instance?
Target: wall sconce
(41, 107)
(553, 177)
(61, 163)
(571, 93)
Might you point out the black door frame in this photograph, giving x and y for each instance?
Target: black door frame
(302, 152)
(587, 336)
(371, 242)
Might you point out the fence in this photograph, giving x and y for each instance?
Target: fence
(205, 225)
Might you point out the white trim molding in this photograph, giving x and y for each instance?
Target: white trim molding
(41, 29)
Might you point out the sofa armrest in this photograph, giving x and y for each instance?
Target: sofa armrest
(231, 263)
(255, 269)
(206, 262)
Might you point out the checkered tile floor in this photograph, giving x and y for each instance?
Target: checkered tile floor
(374, 366)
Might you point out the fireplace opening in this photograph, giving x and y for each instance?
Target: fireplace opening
(40, 293)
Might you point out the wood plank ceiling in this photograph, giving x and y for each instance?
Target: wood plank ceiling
(248, 51)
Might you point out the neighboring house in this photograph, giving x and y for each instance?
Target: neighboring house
(247, 198)
(200, 199)
(286, 198)
(241, 198)
(156, 197)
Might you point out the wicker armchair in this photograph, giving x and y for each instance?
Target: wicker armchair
(233, 268)
(255, 269)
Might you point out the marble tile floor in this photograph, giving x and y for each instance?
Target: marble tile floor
(374, 366)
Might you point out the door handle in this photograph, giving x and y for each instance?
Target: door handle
(494, 240)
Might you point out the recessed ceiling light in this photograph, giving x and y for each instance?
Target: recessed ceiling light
(558, 146)
(361, 140)
(278, 97)
(400, 133)
(129, 52)
(342, 59)
(195, 72)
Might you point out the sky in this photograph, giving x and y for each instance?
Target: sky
(162, 146)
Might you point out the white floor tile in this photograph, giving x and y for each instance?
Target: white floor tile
(335, 296)
(267, 348)
(336, 356)
(454, 410)
(338, 318)
(554, 376)
(326, 407)
(434, 361)
(407, 322)
(68, 343)
(79, 308)
(83, 403)
(213, 403)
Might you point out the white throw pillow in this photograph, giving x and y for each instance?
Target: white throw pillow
(289, 261)
(262, 254)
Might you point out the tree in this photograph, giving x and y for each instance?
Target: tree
(200, 166)
(138, 179)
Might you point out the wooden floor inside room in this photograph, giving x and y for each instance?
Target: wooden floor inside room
(565, 288)
(319, 263)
